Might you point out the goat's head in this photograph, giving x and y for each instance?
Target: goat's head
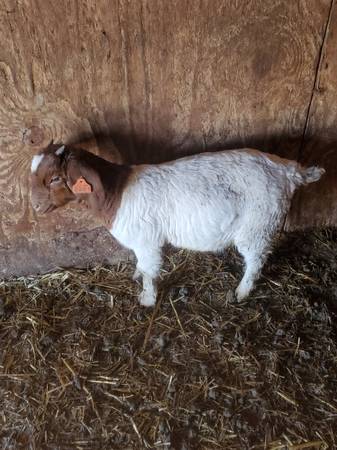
(49, 182)
(61, 174)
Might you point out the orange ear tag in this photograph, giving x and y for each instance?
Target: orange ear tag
(81, 187)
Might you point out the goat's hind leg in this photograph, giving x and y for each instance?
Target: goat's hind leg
(148, 266)
(254, 256)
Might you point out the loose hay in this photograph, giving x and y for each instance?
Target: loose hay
(83, 366)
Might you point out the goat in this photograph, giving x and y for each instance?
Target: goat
(204, 202)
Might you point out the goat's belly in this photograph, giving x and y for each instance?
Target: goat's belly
(201, 242)
(206, 230)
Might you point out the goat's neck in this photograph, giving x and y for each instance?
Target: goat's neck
(108, 181)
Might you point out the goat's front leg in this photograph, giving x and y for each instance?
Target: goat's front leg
(136, 275)
(148, 265)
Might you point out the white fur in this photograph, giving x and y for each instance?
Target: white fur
(60, 150)
(36, 162)
(206, 203)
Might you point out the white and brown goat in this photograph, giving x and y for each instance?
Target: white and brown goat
(204, 202)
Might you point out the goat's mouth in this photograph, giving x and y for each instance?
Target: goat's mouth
(49, 209)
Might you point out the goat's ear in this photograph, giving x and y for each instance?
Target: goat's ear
(83, 176)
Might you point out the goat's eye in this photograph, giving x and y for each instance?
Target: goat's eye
(55, 179)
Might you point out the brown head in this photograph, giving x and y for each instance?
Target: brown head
(50, 189)
(61, 174)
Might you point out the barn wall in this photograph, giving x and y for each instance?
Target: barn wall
(316, 205)
(163, 79)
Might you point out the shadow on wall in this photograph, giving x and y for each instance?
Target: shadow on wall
(313, 206)
(140, 150)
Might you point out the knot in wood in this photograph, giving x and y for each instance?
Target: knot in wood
(33, 135)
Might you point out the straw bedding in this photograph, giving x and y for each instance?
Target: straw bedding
(83, 366)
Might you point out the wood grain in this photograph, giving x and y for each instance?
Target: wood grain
(229, 73)
(316, 205)
(158, 78)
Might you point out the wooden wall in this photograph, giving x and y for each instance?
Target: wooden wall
(162, 78)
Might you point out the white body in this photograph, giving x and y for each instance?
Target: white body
(205, 203)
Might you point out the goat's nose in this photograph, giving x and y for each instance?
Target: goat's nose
(36, 206)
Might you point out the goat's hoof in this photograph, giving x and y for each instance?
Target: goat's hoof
(147, 300)
(241, 294)
(136, 276)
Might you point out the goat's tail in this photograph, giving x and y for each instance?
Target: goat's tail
(307, 175)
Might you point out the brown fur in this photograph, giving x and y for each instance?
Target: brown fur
(108, 181)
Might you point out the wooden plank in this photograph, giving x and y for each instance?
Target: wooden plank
(164, 78)
(316, 205)
(229, 74)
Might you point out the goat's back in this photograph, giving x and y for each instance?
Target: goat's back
(201, 202)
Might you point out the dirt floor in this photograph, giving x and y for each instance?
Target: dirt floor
(83, 366)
